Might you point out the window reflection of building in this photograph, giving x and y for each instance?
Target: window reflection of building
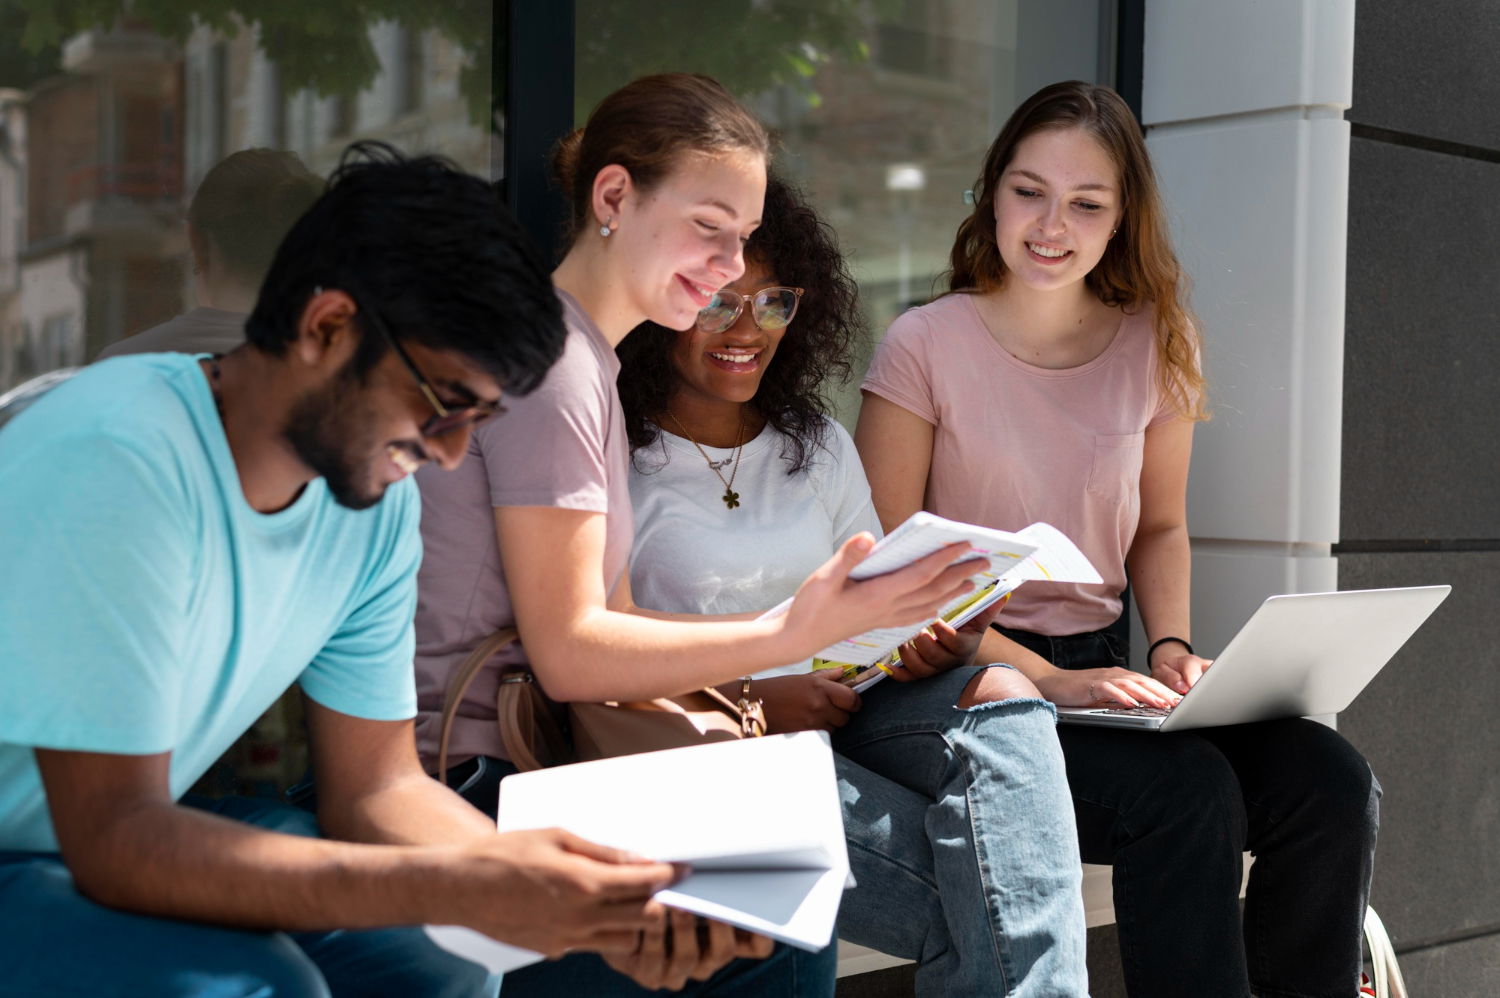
(415, 103)
(12, 228)
(885, 143)
(102, 183)
(94, 192)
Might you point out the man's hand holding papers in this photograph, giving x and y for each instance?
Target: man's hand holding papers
(562, 892)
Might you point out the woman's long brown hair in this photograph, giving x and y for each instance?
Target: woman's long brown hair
(1138, 267)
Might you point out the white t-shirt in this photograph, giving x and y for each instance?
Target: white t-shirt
(693, 554)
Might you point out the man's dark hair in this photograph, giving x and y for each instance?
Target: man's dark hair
(430, 250)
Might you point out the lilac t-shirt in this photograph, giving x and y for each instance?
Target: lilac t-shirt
(563, 445)
(1014, 443)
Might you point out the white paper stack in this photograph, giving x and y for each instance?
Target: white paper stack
(758, 820)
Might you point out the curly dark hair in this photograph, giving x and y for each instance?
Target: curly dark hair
(800, 249)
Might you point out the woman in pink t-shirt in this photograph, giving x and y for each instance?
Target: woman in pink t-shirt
(1059, 381)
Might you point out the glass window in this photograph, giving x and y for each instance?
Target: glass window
(108, 131)
(884, 110)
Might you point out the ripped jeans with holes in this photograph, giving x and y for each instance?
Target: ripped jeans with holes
(962, 840)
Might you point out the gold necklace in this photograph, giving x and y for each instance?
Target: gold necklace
(731, 497)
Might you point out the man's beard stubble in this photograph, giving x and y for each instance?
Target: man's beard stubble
(327, 430)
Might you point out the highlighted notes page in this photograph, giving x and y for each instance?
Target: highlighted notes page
(1041, 551)
(996, 551)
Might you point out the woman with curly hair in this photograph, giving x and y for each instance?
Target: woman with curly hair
(955, 805)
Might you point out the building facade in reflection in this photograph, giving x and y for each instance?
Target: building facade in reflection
(100, 160)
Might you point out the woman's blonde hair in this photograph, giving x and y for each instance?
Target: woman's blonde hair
(1138, 266)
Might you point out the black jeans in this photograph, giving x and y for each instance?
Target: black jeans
(1173, 813)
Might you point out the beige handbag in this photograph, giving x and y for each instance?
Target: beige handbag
(606, 730)
(529, 727)
(533, 738)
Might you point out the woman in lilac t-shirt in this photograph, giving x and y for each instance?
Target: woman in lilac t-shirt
(666, 182)
(1059, 381)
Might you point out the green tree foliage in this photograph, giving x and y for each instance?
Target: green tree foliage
(22, 65)
(749, 45)
(323, 47)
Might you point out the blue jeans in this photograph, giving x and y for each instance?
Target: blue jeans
(1174, 812)
(786, 973)
(57, 943)
(962, 841)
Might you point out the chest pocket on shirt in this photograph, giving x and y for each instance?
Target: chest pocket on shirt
(1115, 475)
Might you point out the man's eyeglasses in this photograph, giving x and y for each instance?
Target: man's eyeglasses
(445, 420)
(771, 309)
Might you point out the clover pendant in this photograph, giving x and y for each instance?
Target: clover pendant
(731, 498)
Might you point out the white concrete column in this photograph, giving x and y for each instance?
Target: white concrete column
(1243, 104)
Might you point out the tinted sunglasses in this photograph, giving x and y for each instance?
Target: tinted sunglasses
(770, 308)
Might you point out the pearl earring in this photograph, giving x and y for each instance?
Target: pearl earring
(606, 229)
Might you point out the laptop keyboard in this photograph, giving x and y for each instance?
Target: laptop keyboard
(1138, 711)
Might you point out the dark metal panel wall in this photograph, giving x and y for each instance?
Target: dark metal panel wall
(1420, 487)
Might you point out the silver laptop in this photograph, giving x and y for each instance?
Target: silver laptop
(1298, 655)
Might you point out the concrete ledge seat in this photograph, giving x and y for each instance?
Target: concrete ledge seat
(1098, 909)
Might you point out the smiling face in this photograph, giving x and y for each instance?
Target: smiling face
(724, 369)
(362, 434)
(1056, 205)
(684, 239)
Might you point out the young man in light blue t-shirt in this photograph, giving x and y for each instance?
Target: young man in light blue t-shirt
(185, 537)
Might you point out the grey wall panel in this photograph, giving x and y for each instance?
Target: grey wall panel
(1421, 455)
(1470, 967)
(1428, 69)
(1106, 977)
(1427, 726)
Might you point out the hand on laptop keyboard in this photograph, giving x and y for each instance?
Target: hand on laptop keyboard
(1108, 687)
(1139, 711)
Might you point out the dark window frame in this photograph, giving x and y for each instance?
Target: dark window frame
(533, 53)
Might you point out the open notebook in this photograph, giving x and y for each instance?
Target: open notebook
(1003, 561)
(758, 820)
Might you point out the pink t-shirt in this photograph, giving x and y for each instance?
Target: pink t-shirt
(1014, 444)
(563, 445)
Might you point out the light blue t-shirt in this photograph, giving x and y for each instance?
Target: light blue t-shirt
(145, 607)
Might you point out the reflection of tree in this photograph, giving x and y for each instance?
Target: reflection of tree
(323, 47)
(23, 63)
(748, 46)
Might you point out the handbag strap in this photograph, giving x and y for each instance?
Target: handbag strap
(459, 685)
(751, 714)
